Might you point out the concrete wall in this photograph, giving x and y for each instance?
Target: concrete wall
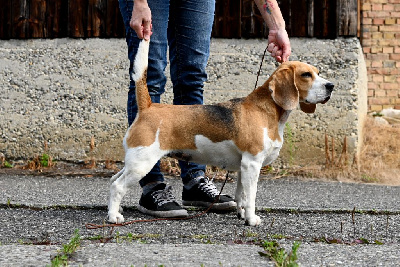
(67, 91)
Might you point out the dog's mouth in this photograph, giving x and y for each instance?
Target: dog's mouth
(326, 100)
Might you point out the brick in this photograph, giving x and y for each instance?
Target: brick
(388, 7)
(380, 14)
(376, 49)
(380, 93)
(390, 21)
(366, 35)
(387, 50)
(366, 6)
(367, 49)
(366, 21)
(377, 35)
(390, 28)
(390, 86)
(375, 107)
(391, 93)
(377, 78)
(379, 101)
(376, 64)
(378, 21)
(389, 35)
(389, 79)
(397, 49)
(377, 7)
(372, 85)
(370, 93)
(389, 64)
(398, 64)
(387, 106)
(394, 56)
(375, 57)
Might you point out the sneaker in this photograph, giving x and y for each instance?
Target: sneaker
(160, 202)
(204, 193)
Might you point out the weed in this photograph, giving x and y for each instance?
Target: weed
(368, 179)
(278, 254)
(251, 234)
(45, 160)
(68, 249)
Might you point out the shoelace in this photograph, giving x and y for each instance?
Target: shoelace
(208, 186)
(164, 196)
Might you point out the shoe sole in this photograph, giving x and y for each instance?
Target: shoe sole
(164, 214)
(231, 205)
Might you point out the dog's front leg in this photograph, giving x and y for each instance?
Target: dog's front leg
(250, 170)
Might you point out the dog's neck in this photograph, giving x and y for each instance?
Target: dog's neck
(262, 98)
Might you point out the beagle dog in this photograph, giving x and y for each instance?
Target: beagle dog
(239, 135)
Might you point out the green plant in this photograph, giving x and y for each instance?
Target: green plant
(7, 164)
(68, 249)
(45, 160)
(278, 254)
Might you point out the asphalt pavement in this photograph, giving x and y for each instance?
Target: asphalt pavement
(337, 224)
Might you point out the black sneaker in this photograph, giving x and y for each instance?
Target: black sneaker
(160, 202)
(204, 194)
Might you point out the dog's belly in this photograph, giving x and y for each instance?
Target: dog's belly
(223, 154)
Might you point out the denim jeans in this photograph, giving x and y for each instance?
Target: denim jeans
(183, 26)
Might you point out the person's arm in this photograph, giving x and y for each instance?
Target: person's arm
(141, 19)
(278, 39)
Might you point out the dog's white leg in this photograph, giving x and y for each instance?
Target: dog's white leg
(250, 170)
(117, 191)
(240, 197)
(115, 177)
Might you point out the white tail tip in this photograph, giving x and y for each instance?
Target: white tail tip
(141, 60)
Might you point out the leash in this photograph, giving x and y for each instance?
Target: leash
(91, 226)
(259, 70)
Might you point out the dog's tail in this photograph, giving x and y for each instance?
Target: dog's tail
(139, 75)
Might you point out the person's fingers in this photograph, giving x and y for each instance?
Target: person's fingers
(147, 29)
(137, 27)
(274, 52)
(270, 47)
(286, 53)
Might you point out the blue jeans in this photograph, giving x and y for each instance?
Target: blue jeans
(184, 27)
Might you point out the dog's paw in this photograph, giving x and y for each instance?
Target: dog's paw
(253, 221)
(116, 218)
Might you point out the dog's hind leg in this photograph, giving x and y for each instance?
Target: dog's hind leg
(138, 162)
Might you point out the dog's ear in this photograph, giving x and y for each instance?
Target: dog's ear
(308, 108)
(283, 88)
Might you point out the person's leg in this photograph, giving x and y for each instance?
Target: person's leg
(157, 198)
(157, 62)
(189, 35)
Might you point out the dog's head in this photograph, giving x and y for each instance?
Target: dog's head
(296, 82)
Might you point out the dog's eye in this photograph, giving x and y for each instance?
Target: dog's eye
(306, 75)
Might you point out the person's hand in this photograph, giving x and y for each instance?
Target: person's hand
(141, 19)
(279, 45)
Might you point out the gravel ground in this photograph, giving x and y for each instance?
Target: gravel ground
(38, 215)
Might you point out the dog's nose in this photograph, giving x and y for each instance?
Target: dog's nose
(329, 86)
